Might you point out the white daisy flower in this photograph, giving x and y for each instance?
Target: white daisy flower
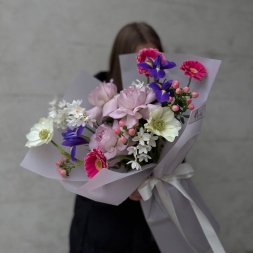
(90, 119)
(143, 148)
(141, 136)
(144, 157)
(135, 165)
(62, 104)
(132, 150)
(152, 140)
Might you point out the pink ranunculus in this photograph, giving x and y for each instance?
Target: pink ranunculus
(104, 100)
(194, 69)
(142, 57)
(131, 101)
(95, 160)
(108, 141)
(102, 94)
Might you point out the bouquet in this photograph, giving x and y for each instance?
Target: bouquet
(137, 137)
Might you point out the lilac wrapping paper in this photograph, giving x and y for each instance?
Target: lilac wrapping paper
(164, 230)
(113, 187)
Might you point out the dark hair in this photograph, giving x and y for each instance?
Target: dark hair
(127, 40)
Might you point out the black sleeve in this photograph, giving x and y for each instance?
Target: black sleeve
(101, 76)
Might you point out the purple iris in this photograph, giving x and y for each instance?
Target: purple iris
(162, 90)
(72, 138)
(156, 67)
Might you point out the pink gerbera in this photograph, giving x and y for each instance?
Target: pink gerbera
(144, 55)
(95, 160)
(194, 69)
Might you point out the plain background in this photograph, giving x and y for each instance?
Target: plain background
(44, 45)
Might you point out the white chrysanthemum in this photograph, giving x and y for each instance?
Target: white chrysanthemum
(144, 157)
(135, 165)
(143, 148)
(60, 119)
(141, 136)
(40, 133)
(62, 104)
(53, 102)
(162, 123)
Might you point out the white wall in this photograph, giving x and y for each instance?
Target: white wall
(43, 46)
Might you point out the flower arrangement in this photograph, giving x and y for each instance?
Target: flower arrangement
(127, 129)
(146, 129)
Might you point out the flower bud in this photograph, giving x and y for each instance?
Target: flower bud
(58, 163)
(123, 139)
(121, 123)
(178, 91)
(191, 106)
(175, 108)
(186, 89)
(175, 84)
(64, 159)
(195, 94)
(170, 99)
(188, 100)
(131, 131)
(62, 172)
(117, 131)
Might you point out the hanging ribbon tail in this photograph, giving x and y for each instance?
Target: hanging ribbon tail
(184, 171)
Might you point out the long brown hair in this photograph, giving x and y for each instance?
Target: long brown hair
(127, 40)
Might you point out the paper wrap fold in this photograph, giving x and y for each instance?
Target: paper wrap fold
(113, 187)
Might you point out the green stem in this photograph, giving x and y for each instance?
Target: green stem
(188, 85)
(86, 138)
(92, 131)
(159, 145)
(148, 80)
(63, 152)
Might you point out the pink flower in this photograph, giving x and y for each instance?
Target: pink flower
(134, 104)
(143, 57)
(108, 141)
(103, 100)
(194, 69)
(95, 160)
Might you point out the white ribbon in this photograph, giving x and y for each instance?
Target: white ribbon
(183, 171)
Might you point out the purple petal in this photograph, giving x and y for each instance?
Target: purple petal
(167, 85)
(79, 131)
(74, 142)
(162, 96)
(144, 65)
(155, 86)
(168, 65)
(158, 61)
(160, 74)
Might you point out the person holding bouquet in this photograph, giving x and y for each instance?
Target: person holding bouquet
(103, 228)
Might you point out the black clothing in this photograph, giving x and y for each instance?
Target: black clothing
(104, 228)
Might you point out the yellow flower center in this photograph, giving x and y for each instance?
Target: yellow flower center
(148, 62)
(43, 134)
(193, 70)
(159, 124)
(98, 164)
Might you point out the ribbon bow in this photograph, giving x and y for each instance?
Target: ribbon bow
(183, 171)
